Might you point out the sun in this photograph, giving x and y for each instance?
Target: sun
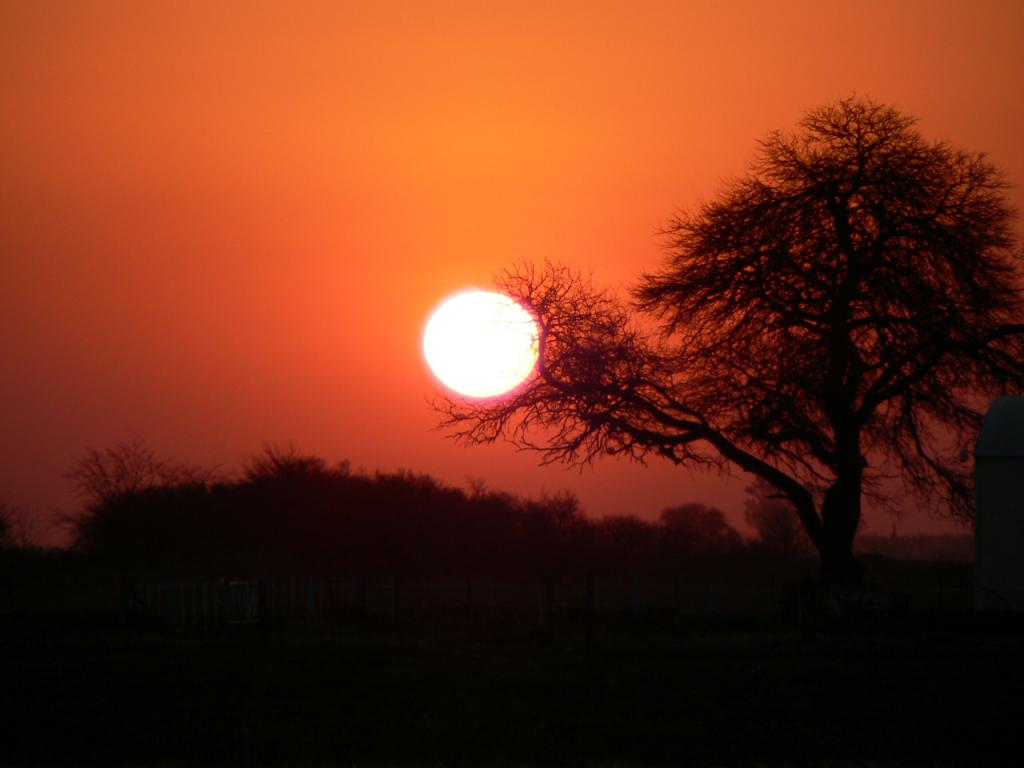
(481, 343)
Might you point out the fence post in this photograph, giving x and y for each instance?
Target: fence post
(549, 608)
(311, 602)
(360, 596)
(223, 602)
(125, 600)
(181, 609)
(398, 599)
(588, 608)
(205, 594)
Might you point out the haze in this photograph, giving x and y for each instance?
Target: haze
(224, 225)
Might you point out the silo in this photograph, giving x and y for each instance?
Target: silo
(999, 508)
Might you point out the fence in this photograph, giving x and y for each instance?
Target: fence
(69, 589)
(321, 604)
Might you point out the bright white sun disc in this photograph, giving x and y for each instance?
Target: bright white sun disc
(480, 343)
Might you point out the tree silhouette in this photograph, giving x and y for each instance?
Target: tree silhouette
(839, 315)
(7, 525)
(698, 529)
(127, 467)
(773, 520)
(288, 514)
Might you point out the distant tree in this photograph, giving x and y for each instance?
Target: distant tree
(775, 523)
(127, 467)
(698, 529)
(555, 532)
(133, 503)
(843, 312)
(292, 514)
(921, 547)
(289, 514)
(7, 525)
(17, 527)
(625, 545)
(284, 464)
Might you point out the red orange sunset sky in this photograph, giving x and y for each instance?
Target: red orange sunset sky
(224, 224)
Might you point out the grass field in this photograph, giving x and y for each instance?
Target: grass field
(920, 695)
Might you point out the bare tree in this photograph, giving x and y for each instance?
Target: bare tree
(772, 517)
(17, 528)
(286, 463)
(7, 525)
(102, 476)
(840, 315)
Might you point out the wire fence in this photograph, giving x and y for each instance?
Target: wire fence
(333, 604)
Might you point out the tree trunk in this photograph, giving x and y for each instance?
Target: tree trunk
(840, 518)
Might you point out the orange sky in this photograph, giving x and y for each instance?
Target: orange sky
(224, 224)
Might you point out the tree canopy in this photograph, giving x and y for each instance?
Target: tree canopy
(838, 317)
(290, 514)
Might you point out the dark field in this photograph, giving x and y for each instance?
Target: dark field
(718, 670)
(711, 694)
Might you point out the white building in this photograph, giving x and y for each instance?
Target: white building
(999, 508)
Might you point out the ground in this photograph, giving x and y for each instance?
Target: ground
(920, 694)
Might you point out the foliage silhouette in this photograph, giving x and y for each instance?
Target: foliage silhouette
(776, 526)
(289, 514)
(839, 316)
(699, 529)
(7, 525)
(129, 466)
(17, 528)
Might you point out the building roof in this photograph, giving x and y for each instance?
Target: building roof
(1002, 433)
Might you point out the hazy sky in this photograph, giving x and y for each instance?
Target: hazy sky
(224, 224)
